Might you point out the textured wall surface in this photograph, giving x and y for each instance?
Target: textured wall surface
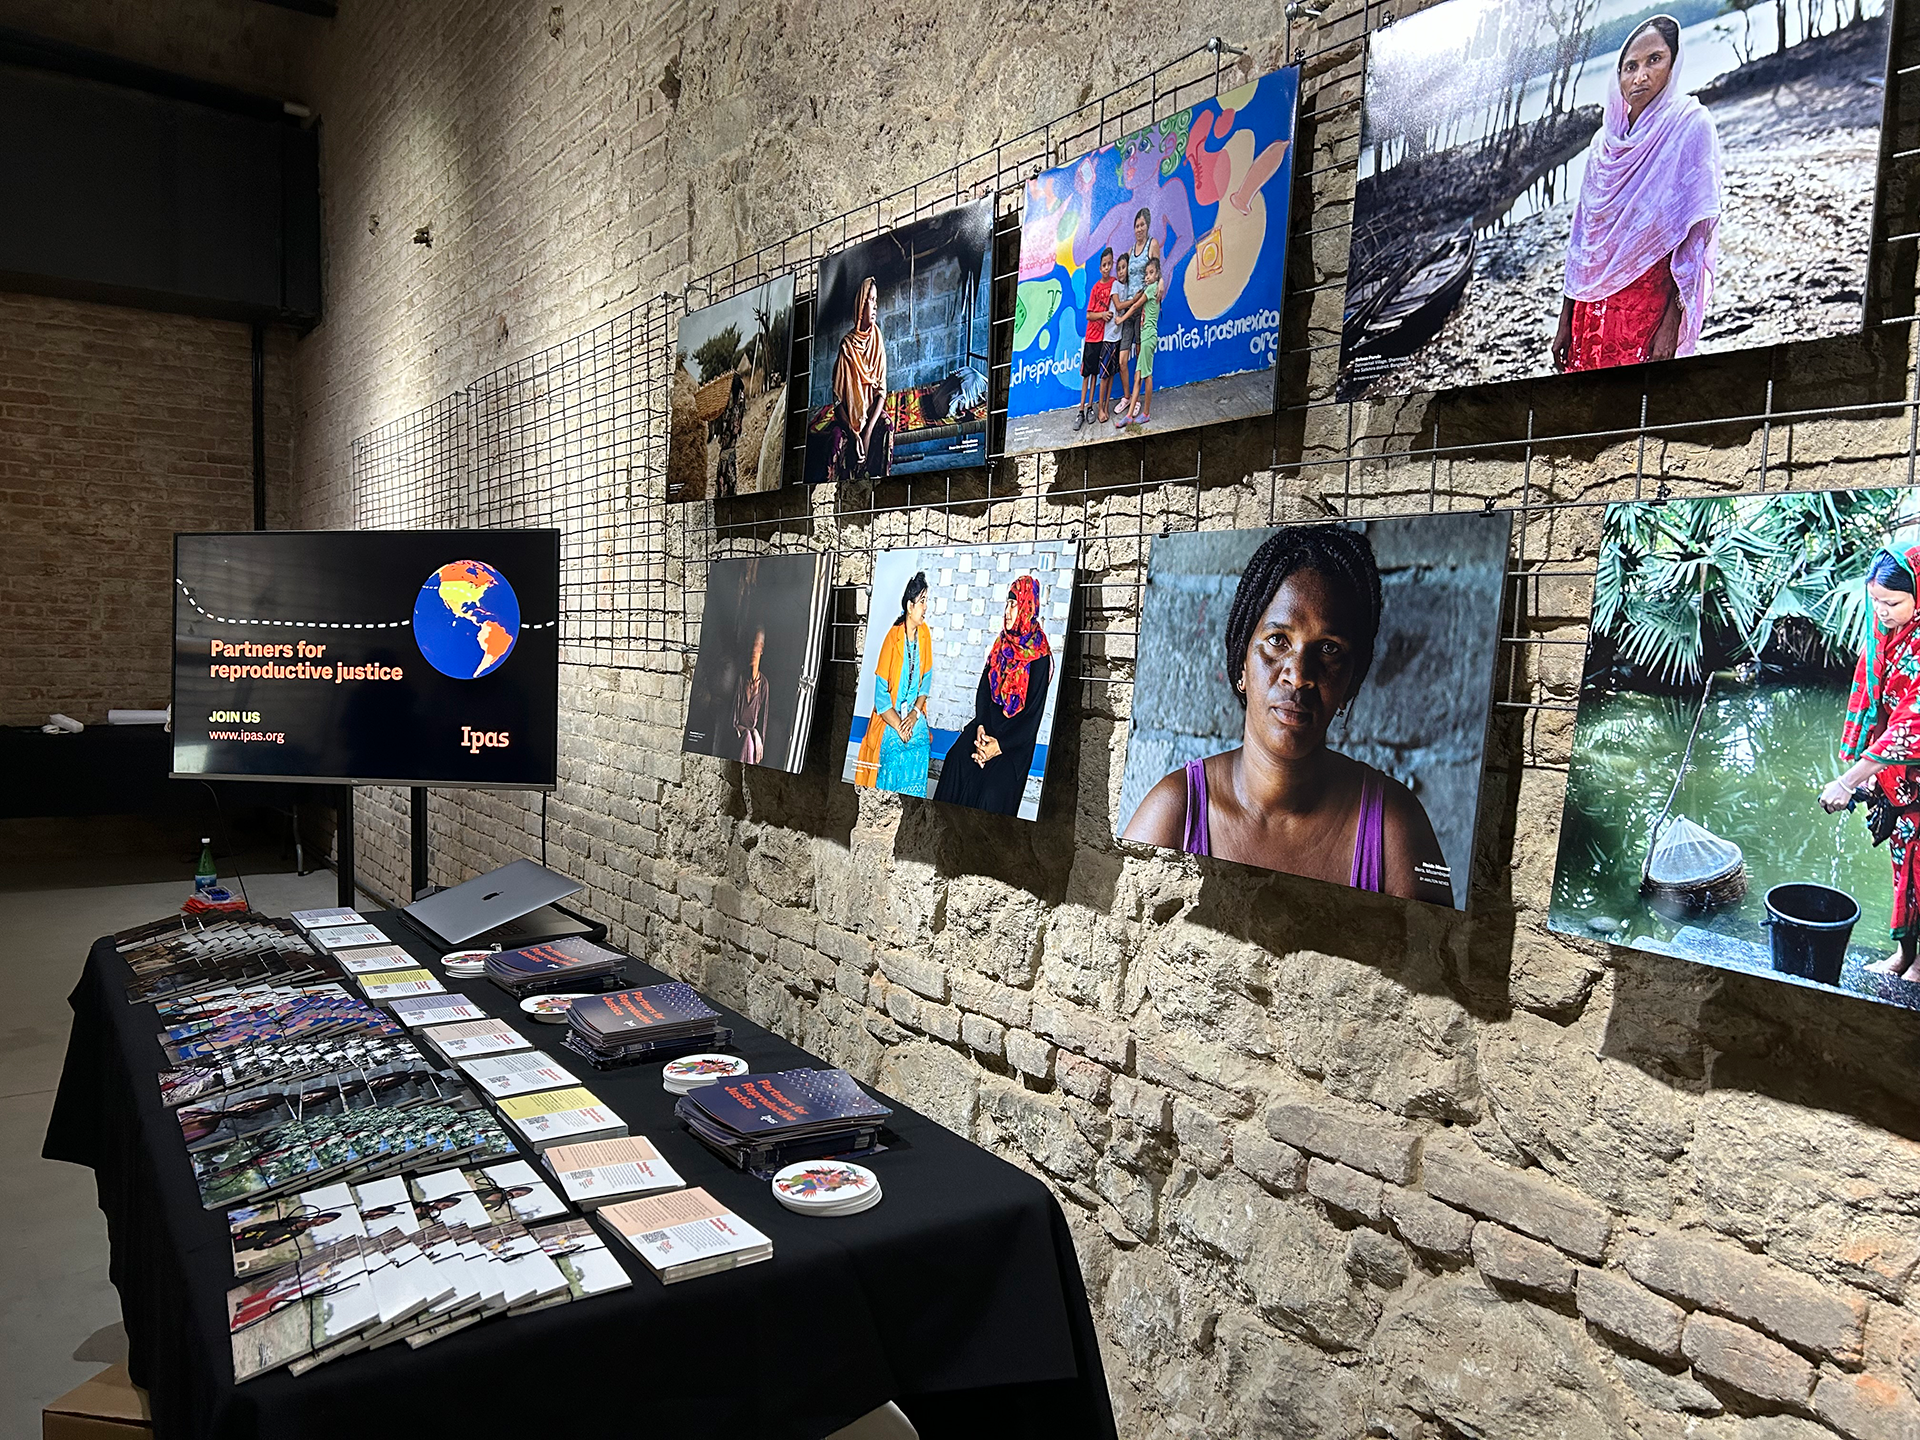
(117, 428)
(1336, 1166)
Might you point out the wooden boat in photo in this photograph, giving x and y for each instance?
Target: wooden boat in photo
(1396, 314)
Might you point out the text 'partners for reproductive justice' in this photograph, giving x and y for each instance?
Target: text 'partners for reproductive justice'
(308, 663)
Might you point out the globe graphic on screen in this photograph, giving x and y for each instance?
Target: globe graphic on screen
(466, 619)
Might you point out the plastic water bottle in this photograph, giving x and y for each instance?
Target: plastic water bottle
(206, 874)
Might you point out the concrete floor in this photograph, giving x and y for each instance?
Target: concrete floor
(59, 1316)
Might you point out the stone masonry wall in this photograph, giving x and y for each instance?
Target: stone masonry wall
(1336, 1166)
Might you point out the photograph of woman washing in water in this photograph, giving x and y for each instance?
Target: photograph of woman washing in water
(1553, 187)
(1742, 788)
(1313, 699)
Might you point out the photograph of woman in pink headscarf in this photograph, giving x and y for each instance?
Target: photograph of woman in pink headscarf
(1646, 229)
(1553, 186)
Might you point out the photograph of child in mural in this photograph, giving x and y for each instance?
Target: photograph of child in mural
(1154, 267)
(1563, 185)
(1742, 791)
(960, 674)
(762, 635)
(1314, 699)
(900, 341)
(727, 432)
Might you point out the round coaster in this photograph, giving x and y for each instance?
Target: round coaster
(465, 964)
(550, 1009)
(826, 1187)
(690, 1072)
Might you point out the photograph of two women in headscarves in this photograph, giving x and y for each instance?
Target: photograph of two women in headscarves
(961, 673)
(1743, 790)
(1561, 185)
(1314, 699)
(762, 635)
(901, 329)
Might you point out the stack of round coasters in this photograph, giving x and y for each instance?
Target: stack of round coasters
(827, 1187)
(690, 1072)
(466, 964)
(550, 1009)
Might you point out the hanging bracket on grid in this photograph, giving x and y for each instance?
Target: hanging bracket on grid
(1487, 509)
(1664, 491)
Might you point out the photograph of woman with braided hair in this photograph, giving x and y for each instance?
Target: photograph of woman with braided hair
(1314, 699)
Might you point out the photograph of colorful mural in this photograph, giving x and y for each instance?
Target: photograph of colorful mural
(1314, 699)
(727, 433)
(762, 635)
(1151, 276)
(900, 334)
(961, 673)
(1743, 789)
(1561, 185)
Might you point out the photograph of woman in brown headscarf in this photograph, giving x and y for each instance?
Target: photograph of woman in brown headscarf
(860, 438)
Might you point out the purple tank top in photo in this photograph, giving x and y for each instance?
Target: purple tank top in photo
(1369, 831)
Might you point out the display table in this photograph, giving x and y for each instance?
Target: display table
(959, 1296)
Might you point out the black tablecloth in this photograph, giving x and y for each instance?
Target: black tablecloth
(958, 1296)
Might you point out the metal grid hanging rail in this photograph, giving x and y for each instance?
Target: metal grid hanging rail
(576, 435)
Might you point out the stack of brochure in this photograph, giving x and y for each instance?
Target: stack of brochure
(763, 1123)
(357, 1146)
(340, 1268)
(827, 1187)
(183, 959)
(519, 1073)
(383, 987)
(305, 920)
(471, 1039)
(686, 1233)
(653, 1022)
(417, 1012)
(335, 938)
(561, 1117)
(371, 958)
(569, 964)
(608, 1171)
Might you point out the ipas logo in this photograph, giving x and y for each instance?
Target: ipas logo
(477, 740)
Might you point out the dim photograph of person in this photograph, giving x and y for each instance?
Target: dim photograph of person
(1881, 737)
(1299, 643)
(1645, 242)
(750, 705)
(762, 634)
(898, 744)
(860, 439)
(987, 766)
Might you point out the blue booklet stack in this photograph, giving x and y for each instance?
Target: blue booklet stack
(654, 1022)
(569, 964)
(762, 1123)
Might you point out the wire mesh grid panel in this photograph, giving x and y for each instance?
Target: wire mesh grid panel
(566, 438)
(577, 435)
(410, 474)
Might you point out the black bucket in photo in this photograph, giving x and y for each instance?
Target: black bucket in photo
(1809, 926)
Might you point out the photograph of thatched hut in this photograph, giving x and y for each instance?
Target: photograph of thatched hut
(1739, 790)
(728, 430)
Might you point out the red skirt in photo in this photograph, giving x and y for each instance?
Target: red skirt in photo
(1619, 329)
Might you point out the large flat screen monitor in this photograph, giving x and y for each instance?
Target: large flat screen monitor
(381, 657)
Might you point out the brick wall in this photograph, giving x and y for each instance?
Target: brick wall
(117, 428)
